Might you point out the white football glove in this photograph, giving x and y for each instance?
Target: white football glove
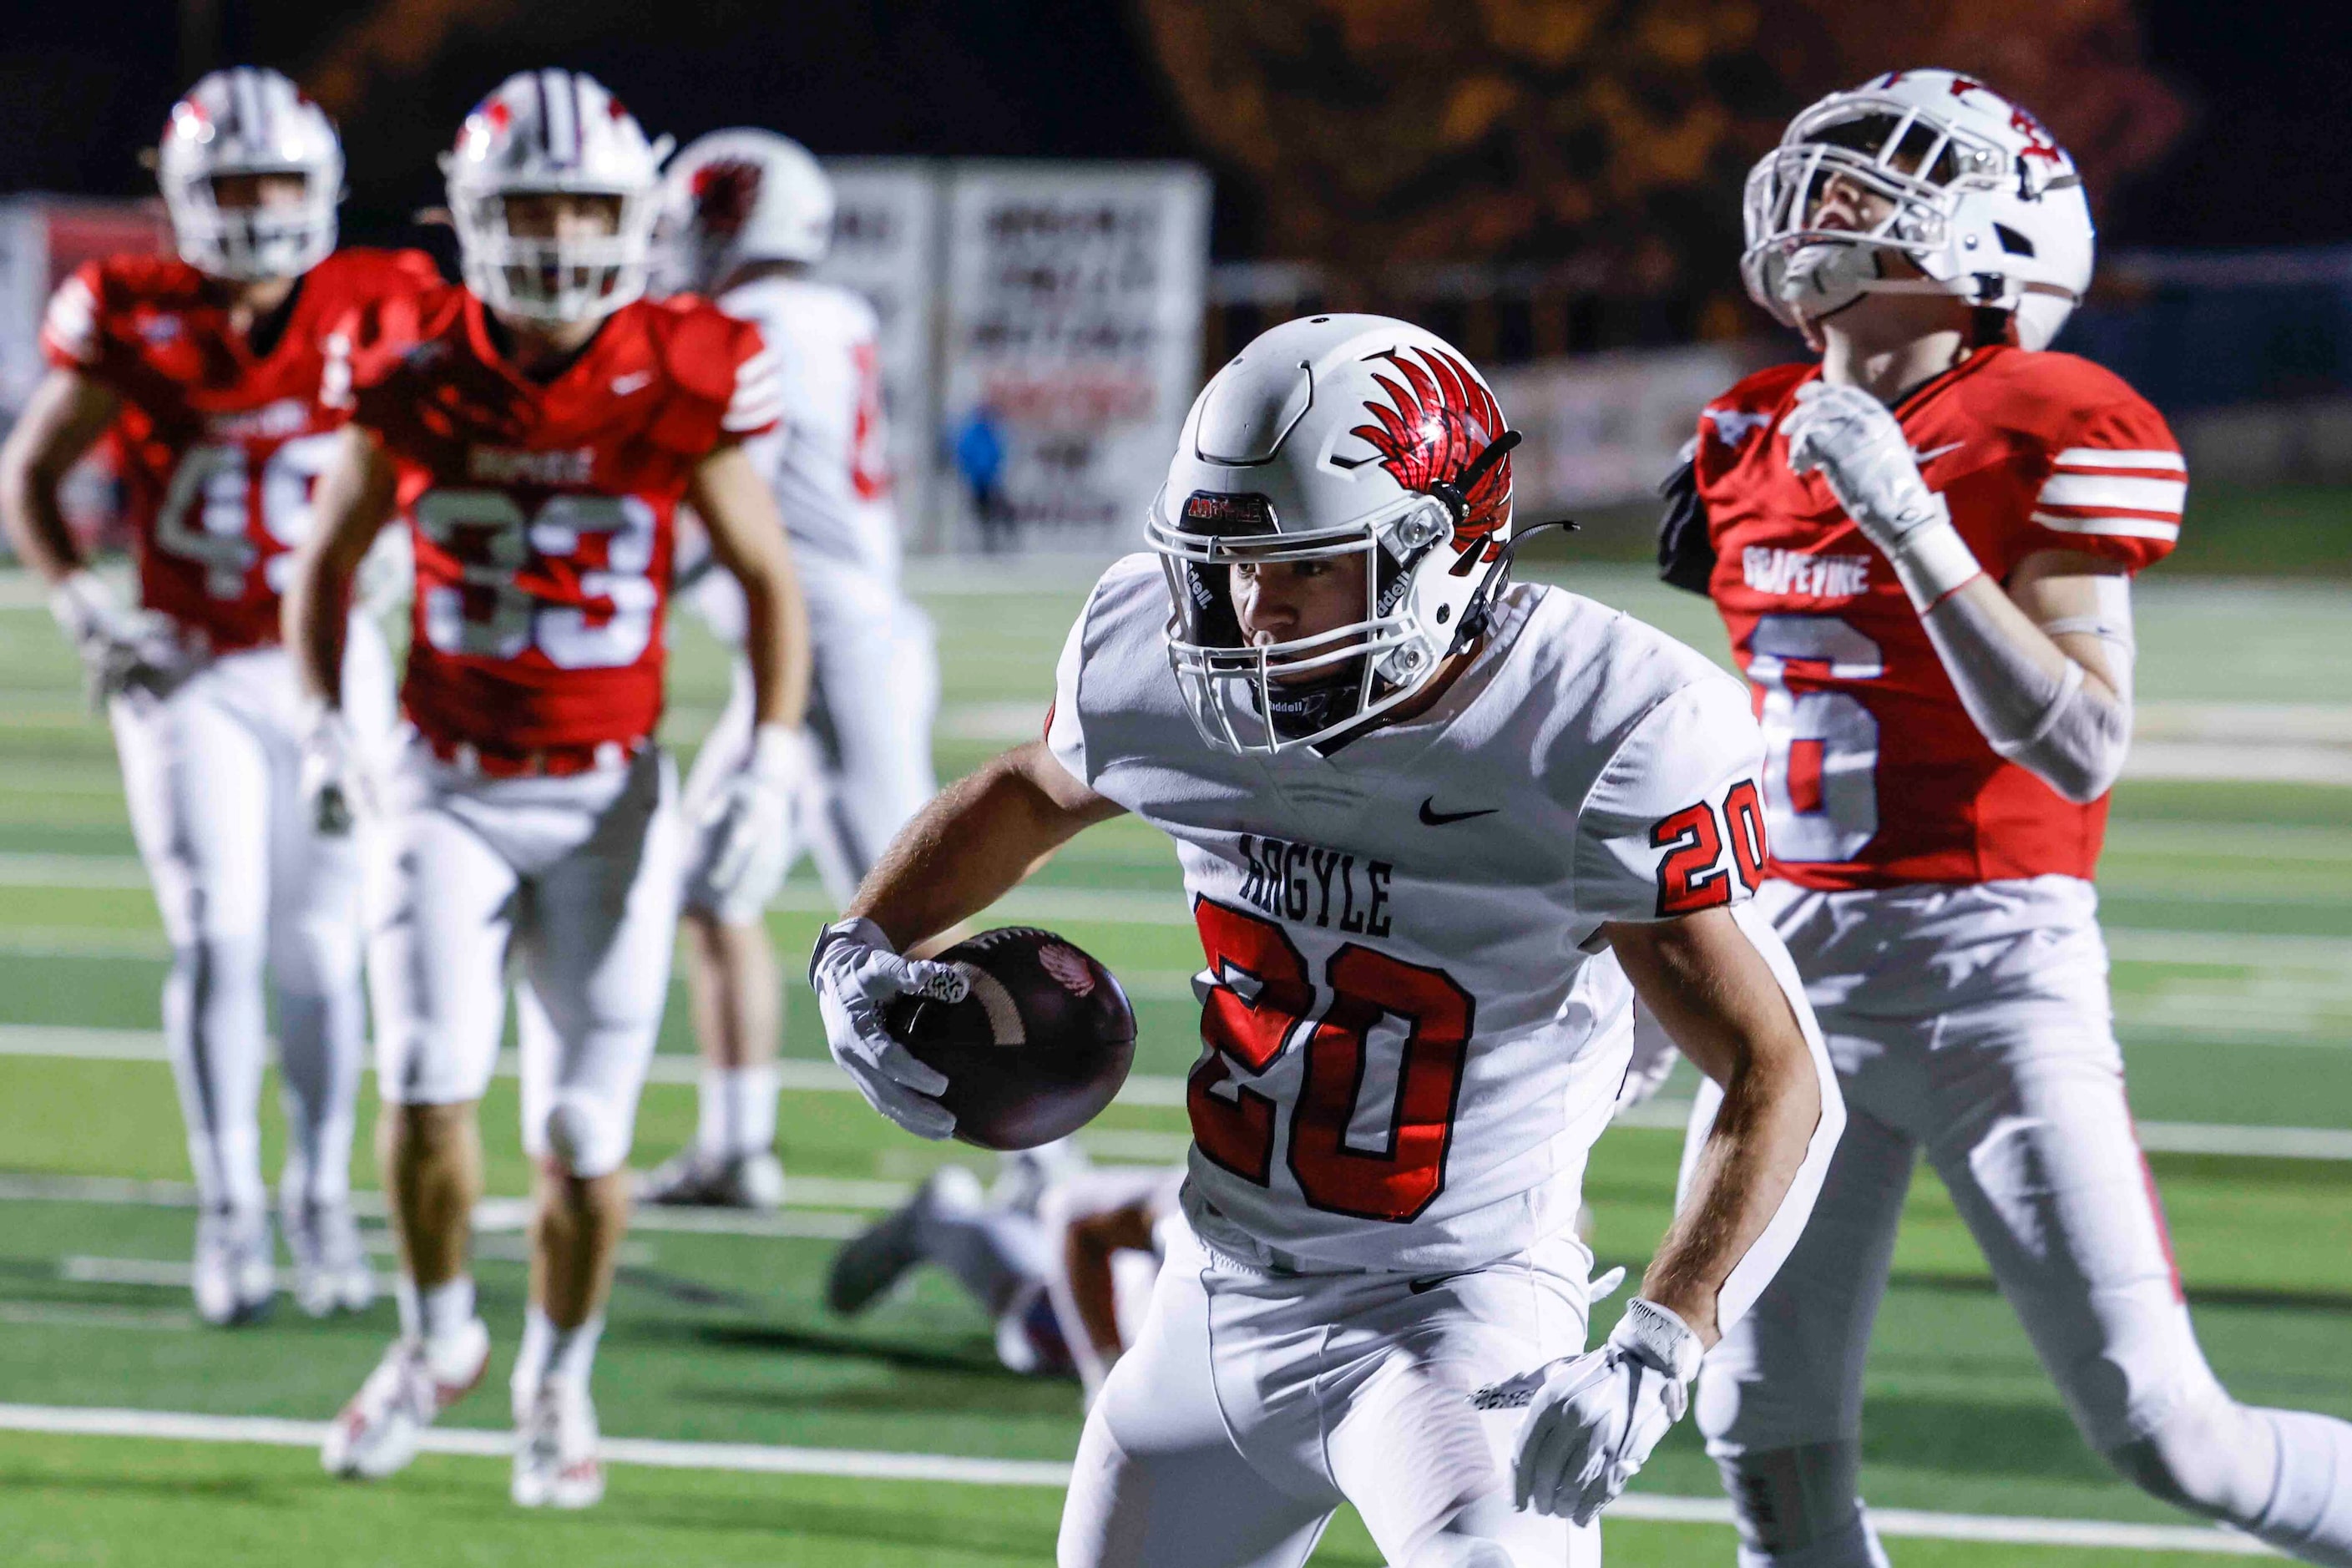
(855, 973)
(1863, 457)
(121, 648)
(1596, 1416)
(750, 820)
(334, 784)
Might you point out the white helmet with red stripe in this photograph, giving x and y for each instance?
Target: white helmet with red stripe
(743, 195)
(1972, 188)
(553, 132)
(248, 120)
(1325, 438)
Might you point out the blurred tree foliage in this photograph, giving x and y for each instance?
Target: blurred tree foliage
(1615, 133)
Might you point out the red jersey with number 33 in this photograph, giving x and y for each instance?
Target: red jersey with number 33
(544, 513)
(221, 445)
(1874, 774)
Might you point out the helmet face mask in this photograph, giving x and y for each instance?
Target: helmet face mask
(1965, 187)
(553, 133)
(1339, 438)
(247, 124)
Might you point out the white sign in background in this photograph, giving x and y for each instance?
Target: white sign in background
(886, 243)
(1073, 315)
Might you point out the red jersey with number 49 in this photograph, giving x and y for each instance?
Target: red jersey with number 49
(221, 445)
(1873, 773)
(543, 514)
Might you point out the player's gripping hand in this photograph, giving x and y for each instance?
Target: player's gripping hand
(333, 787)
(1860, 449)
(856, 973)
(117, 644)
(750, 822)
(1597, 1416)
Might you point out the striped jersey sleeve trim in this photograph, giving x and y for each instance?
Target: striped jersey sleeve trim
(71, 321)
(2121, 527)
(2122, 492)
(2111, 458)
(759, 397)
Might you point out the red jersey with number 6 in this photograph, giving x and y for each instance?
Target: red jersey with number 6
(1873, 774)
(221, 443)
(544, 513)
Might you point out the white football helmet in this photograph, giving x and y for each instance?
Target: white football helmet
(1982, 201)
(553, 131)
(249, 120)
(742, 195)
(1329, 436)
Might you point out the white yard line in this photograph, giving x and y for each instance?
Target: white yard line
(869, 1464)
(2328, 1143)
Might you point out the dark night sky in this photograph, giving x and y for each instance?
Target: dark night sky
(85, 83)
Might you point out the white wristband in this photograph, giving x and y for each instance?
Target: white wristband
(1660, 1337)
(1933, 561)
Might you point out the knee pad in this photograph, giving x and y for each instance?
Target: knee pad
(1797, 1506)
(581, 1136)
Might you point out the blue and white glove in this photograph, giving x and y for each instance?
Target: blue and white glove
(856, 973)
(750, 823)
(1596, 1416)
(1860, 449)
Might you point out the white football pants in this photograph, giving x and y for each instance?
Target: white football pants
(871, 700)
(577, 879)
(1253, 1405)
(1972, 1023)
(212, 776)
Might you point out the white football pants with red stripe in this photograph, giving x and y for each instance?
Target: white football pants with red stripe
(1970, 1023)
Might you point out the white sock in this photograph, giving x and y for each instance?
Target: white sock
(538, 1344)
(738, 1111)
(438, 1311)
(572, 1352)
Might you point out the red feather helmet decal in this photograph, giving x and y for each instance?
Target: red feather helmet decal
(724, 190)
(1433, 428)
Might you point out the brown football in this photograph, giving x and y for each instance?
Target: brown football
(1036, 1049)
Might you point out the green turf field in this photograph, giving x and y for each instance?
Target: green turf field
(2230, 915)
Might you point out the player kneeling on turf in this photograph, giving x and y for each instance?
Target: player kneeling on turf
(1436, 832)
(539, 428)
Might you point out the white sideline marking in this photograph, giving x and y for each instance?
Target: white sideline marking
(873, 1465)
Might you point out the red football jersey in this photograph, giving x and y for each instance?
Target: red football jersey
(220, 446)
(1874, 774)
(543, 514)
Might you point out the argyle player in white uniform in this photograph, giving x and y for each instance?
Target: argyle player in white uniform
(1436, 835)
(1922, 547)
(749, 212)
(207, 368)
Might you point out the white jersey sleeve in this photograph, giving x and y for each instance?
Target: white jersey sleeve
(1112, 683)
(1675, 824)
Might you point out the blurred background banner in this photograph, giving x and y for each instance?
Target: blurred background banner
(1072, 346)
(886, 246)
(1603, 429)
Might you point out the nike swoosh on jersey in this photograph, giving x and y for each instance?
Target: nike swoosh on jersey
(1432, 818)
(637, 382)
(1924, 459)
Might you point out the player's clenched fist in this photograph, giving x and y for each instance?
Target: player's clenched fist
(856, 973)
(1597, 1416)
(333, 788)
(1863, 457)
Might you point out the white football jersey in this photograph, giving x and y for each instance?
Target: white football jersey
(828, 458)
(1412, 1033)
